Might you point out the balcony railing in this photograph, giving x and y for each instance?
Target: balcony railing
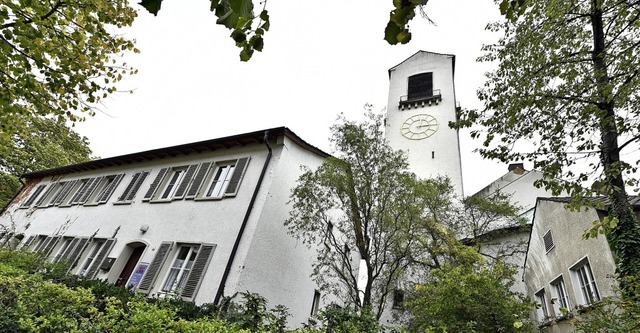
(420, 100)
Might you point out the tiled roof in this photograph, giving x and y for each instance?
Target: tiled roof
(184, 149)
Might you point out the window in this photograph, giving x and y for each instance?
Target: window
(548, 241)
(33, 196)
(80, 190)
(172, 185)
(133, 187)
(420, 86)
(66, 243)
(62, 192)
(40, 242)
(220, 180)
(43, 200)
(93, 256)
(202, 181)
(315, 304)
(583, 281)
(398, 299)
(72, 252)
(185, 274)
(97, 255)
(560, 295)
(103, 188)
(180, 269)
(543, 311)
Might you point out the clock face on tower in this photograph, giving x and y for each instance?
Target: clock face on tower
(418, 127)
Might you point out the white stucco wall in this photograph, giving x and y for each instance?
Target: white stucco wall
(518, 184)
(269, 261)
(275, 264)
(438, 154)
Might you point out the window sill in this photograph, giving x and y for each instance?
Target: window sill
(120, 203)
(208, 198)
(160, 201)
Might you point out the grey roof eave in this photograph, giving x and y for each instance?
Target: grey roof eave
(184, 149)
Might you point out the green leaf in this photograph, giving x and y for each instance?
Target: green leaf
(229, 20)
(153, 6)
(244, 8)
(391, 33)
(257, 43)
(245, 54)
(238, 35)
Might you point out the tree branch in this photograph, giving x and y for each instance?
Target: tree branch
(43, 17)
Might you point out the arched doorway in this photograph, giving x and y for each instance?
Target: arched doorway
(134, 252)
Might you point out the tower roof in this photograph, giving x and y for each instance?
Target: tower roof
(421, 52)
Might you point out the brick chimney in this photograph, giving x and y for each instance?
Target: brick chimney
(517, 168)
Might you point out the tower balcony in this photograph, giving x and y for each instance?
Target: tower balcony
(420, 100)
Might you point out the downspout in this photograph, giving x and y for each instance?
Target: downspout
(232, 256)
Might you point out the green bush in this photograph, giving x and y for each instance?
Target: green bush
(469, 299)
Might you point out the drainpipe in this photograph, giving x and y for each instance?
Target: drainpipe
(232, 256)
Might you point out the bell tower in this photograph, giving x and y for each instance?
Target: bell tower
(422, 102)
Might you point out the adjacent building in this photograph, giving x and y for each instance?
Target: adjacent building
(563, 272)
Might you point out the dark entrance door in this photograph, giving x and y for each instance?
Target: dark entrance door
(129, 266)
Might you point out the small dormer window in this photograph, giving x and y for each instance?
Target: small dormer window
(420, 91)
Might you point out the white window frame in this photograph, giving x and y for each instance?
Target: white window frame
(218, 180)
(315, 304)
(543, 311)
(173, 283)
(584, 283)
(101, 188)
(170, 185)
(39, 243)
(91, 257)
(66, 242)
(559, 291)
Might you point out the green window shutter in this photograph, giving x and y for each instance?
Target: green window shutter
(137, 185)
(76, 252)
(91, 186)
(185, 181)
(97, 262)
(34, 196)
(106, 194)
(241, 166)
(64, 192)
(197, 180)
(153, 270)
(46, 249)
(40, 202)
(28, 241)
(154, 185)
(42, 244)
(129, 188)
(197, 271)
(79, 191)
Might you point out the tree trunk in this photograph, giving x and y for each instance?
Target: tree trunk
(625, 237)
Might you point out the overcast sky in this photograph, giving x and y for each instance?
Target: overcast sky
(320, 58)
